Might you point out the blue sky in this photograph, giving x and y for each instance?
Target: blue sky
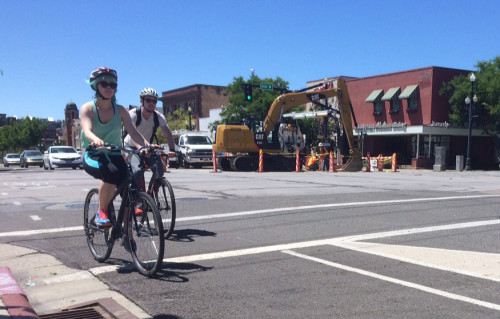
(49, 48)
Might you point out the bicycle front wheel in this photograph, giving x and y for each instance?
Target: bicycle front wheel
(164, 197)
(145, 235)
(98, 239)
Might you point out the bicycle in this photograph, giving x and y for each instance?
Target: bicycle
(160, 189)
(142, 234)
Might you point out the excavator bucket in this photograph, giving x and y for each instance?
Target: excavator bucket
(354, 164)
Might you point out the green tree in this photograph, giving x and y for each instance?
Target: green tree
(25, 134)
(176, 121)
(239, 110)
(32, 132)
(486, 88)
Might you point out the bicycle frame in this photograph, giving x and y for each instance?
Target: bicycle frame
(127, 192)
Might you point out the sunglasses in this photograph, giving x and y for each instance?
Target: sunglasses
(105, 84)
(151, 100)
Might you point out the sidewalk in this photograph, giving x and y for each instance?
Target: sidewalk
(33, 283)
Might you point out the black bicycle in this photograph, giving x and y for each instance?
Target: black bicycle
(142, 234)
(162, 192)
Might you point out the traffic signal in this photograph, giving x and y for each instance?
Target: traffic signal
(248, 92)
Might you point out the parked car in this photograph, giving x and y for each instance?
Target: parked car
(195, 150)
(31, 158)
(11, 159)
(61, 156)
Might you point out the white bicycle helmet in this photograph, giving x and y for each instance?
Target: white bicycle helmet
(149, 92)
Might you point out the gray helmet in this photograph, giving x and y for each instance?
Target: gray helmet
(149, 92)
(99, 72)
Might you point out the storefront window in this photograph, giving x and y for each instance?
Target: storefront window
(426, 149)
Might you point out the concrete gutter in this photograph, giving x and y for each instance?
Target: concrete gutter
(49, 286)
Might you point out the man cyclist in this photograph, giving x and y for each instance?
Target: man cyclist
(147, 119)
(101, 121)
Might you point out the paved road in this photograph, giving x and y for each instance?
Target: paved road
(412, 244)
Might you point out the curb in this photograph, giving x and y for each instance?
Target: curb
(13, 297)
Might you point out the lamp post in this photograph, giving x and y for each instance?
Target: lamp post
(253, 72)
(189, 112)
(363, 136)
(471, 109)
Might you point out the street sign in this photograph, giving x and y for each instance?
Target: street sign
(266, 87)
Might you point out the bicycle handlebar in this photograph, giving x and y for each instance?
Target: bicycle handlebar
(113, 147)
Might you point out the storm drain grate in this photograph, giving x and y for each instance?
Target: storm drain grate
(105, 308)
(93, 312)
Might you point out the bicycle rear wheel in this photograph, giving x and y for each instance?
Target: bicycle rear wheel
(98, 239)
(145, 235)
(164, 197)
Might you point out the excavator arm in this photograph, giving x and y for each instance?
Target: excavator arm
(285, 102)
(354, 163)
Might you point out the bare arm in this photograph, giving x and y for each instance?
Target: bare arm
(130, 127)
(87, 114)
(170, 138)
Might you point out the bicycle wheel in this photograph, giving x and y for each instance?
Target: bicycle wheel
(145, 235)
(98, 239)
(164, 197)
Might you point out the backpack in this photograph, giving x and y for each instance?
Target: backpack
(138, 121)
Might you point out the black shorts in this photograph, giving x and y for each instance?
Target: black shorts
(109, 167)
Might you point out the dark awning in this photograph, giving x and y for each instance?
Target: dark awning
(374, 96)
(390, 94)
(410, 89)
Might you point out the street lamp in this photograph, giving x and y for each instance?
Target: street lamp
(471, 110)
(253, 72)
(189, 112)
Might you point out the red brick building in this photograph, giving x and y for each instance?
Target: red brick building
(199, 97)
(403, 113)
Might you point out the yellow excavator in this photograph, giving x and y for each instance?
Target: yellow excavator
(238, 146)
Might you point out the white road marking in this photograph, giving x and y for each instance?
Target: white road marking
(40, 231)
(263, 211)
(5, 194)
(17, 203)
(470, 263)
(35, 217)
(398, 281)
(369, 203)
(330, 241)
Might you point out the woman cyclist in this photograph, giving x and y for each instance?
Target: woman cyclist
(101, 121)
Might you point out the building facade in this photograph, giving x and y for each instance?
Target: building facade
(72, 127)
(198, 98)
(404, 113)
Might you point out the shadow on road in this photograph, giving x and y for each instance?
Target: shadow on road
(179, 272)
(189, 235)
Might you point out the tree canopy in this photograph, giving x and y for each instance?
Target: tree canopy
(178, 120)
(25, 134)
(486, 88)
(240, 110)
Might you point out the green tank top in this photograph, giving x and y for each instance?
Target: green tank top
(110, 132)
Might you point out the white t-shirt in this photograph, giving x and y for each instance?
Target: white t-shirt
(145, 127)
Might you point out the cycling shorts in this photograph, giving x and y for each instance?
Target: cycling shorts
(109, 167)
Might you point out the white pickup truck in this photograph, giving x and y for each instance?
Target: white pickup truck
(195, 149)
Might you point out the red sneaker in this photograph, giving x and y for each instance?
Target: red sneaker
(138, 210)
